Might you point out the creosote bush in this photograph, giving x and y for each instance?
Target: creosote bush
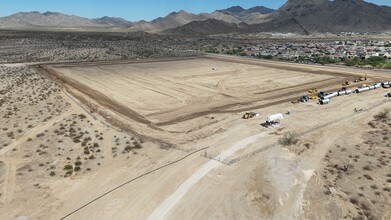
(289, 138)
(383, 115)
(68, 167)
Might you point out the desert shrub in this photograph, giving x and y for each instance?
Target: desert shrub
(52, 173)
(77, 168)
(76, 140)
(68, 167)
(128, 148)
(86, 151)
(368, 177)
(289, 138)
(383, 115)
(95, 145)
(372, 124)
(78, 163)
(367, 168)
(40, 135)
(353, 201)
(138, 146)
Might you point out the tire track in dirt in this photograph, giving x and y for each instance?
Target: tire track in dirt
(107, 145)
(11, 164)
(282, 66)
(9, 184)
(246, 106)
(9, 181)
(283, 95)
(163, 209)
(100, 98)
(221, 84)
(118, 62)
(36, 130)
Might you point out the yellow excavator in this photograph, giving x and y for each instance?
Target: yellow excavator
(313, 90)
(313, 96)
(249, 115)
(364, 77)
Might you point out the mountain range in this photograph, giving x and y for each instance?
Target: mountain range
(295, 16)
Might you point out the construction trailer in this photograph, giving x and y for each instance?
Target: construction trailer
(274, 119)
(249, 115)
(321, 94)
(344, 92)
(304, 98)
(377, 85)
(324, 101)
(329, 96)
(386, 85)
(364, 89)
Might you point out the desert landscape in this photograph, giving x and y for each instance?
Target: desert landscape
(165, 139)
(176, 109)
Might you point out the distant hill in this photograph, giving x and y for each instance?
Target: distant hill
(295, 16)
(260, 9)
(112, 21)
(47, 19)
(172, 20)
(234, 14)
(254, 15)
(206, 27)
(319, 16)
(35, 19)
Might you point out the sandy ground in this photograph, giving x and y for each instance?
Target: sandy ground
(187, 105)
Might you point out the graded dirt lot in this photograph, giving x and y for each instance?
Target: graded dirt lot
(159, 95)
(165, 140)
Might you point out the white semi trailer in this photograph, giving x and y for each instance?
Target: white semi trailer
(274, 119)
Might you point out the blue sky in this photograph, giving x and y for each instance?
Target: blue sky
(134, 10)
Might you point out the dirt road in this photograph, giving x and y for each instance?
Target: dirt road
(164, 208)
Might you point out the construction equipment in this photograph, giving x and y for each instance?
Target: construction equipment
(364, 77)
(313, 96)
(274, 119)
(346, 83)
(304, 98)
(295, 101)
(249, 115)
(360, 109)
(313, 90)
